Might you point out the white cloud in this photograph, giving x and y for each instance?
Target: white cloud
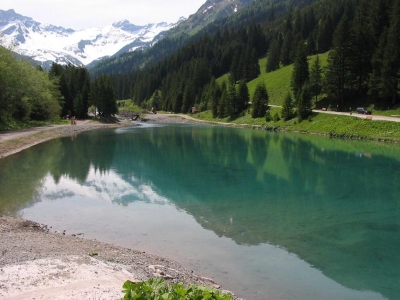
(79, 14)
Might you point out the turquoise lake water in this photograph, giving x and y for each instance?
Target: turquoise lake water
(267, 215)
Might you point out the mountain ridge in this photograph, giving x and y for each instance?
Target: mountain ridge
(47, 43)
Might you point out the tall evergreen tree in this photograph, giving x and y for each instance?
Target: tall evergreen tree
(243, 96)
(391, 56)
(273, 57)
(222, 104)
(362, 47)
(324, 36)
(300, 73)
(316, 79)
(340, 58)
(260, 101)
(231, 105)
(102, 96)
(286, 49)
(287, 108)
(303, 107)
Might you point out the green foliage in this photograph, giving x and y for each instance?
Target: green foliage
(243, 96)
(287, 108)
(157, 289)
(316, 79)
(74, 86)
(301, 72)
(303, 103)
(260, 101)
(26, 92)
(279, 81)
(102, 96)
(273, 57)
(128, 105)
(361, 36)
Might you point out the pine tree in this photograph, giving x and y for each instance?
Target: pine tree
(243, 96)
(300, 73)
(231, 105)
(362, 47)
(222, 113)
(340, 58)
(103, 97)
(260, 101)
(287, 48)
(324, 36)
(287, 108)
(273, 57)
(303, 107)
(391, 56)
(316, 79)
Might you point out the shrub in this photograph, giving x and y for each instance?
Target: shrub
(157, 288)
(276, 117)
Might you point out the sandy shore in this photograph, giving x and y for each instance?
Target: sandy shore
(37, 263)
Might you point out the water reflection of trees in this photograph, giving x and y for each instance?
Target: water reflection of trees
(21, 174)
(260, 187)
(316, 197)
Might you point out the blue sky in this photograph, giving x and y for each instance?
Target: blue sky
(79, 14)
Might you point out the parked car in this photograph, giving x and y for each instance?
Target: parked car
(363, 110)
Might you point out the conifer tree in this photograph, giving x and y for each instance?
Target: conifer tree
(303, 107)
(102, 96)
(324, 36)
(287, 48)
(340, 58)
(222, 113)
(260, 101)
(243, 96)
(287, 108)
(362, 47)
(273, 57)
(391, 56)
(316, 79)
(300, 73)
(232, 104)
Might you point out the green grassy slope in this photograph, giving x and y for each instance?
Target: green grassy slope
(278, 82)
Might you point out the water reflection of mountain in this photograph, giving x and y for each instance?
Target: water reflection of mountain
(333, 203)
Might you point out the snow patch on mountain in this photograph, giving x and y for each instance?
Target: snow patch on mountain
(49, 43)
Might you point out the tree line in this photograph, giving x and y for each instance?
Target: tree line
(26, 92)
(362, 38)
(29, 93)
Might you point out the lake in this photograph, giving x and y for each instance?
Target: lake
(267, 215)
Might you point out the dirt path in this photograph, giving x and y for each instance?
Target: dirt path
(356, 115)
(15, 141)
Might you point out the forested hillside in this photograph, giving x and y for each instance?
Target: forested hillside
(362, 36)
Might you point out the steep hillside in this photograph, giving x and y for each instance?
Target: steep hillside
(209, 12)
(172, 40)
(363, 37)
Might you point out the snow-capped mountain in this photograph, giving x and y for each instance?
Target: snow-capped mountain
(48, 43)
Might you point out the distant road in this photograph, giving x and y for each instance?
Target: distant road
(374, 117)
(371, 117)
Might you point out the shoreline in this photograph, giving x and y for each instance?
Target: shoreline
(36, 262)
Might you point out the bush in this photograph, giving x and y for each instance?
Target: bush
(157, 289)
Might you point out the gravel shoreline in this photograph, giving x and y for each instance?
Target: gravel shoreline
(37, 263)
